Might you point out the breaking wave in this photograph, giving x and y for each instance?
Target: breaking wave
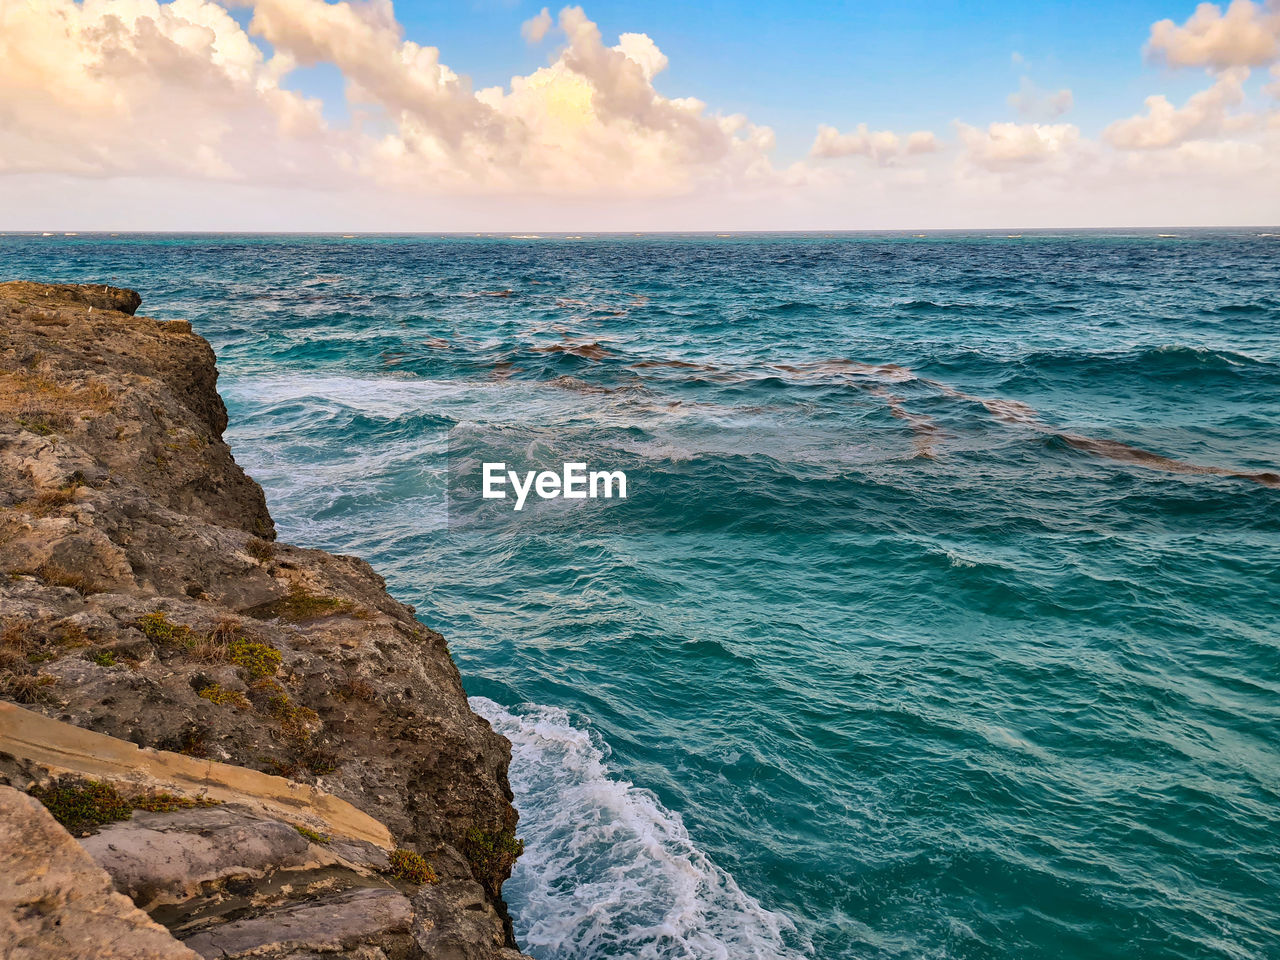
(608, 871)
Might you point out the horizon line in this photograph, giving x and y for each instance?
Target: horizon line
(530, 234)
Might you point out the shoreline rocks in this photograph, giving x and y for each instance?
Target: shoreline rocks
(144, 598)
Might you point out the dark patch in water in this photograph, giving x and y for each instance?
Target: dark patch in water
(587, 351)
(1123, 453)
(675, 364)
(925, 432)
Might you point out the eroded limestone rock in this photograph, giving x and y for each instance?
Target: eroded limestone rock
(367, 917)
(174, 857)
(142, 596)
(57, 904)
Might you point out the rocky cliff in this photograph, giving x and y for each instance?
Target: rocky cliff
(311, 781)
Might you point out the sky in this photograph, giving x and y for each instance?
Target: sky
(500, 115)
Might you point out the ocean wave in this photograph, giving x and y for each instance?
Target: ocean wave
(375, 396)
(1163, 361)
(1203, 356)
(608, 871)
(1260, 307)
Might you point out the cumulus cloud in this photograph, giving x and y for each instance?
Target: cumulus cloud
(1205, 114)
(123, 86)
(114, 87)
(1247, 34)
(593, 119)
(590, 121)
(1009, 146)
(882, 146)
(423, 96)
(1033, 103)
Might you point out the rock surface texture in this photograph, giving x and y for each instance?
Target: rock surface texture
(57, 904)
(143, 596)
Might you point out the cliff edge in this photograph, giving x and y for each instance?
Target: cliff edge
(311, 781)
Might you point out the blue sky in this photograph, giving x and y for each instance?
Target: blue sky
(794, 65)
(405, 114)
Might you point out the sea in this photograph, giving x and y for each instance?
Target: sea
(941, 618)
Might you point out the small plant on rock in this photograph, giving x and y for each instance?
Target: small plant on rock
(37, 425)
(83, 805)
(356, 688)
(261, 550)
(410, 867)
(491, 854)
(73, 635)
(162, 631)
(191, 742)
(60, 577)
(312, 835)
(301, 604)
(16, 642)
(295, 721)
(225, 630)
(257, 661)
(215, 646)
(216, 693)
(49, 502)
(319, 761)
(161, 801)
(26, 687)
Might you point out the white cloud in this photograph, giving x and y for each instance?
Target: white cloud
(1205, 114)
(922, 141)
(590, 122)
(363, 41)
(1033, 103)
(1246, 35)
(115, 87)
(1008, 146)
(535, 29)
(127, 86)
(1205, 164)
(132, 102)
(882, 146)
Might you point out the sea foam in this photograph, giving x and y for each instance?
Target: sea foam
(608, 871)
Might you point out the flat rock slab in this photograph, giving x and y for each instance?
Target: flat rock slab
(340, 922)
(57, 904)
(167, 857)
(56, 745)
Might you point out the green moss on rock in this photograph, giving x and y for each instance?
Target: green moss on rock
(81, 805)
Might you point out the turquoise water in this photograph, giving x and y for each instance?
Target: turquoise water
(899, 647)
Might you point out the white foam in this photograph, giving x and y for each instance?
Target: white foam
(608, 871)
(384, 396)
